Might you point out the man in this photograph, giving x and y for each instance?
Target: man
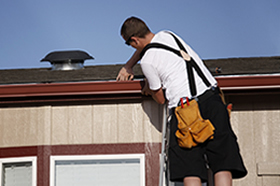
(167, 72)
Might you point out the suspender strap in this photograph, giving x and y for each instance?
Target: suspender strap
(189, 63)
(192, 64)
(159, 45)
(177, 52)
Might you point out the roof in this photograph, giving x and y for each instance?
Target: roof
(46, 75)
(230, 66)
(97, 83)
(246, 66)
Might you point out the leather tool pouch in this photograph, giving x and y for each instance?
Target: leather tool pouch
(192, 128)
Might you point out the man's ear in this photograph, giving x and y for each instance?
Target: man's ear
(135, 40)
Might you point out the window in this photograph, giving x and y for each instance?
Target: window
(18, 171)
(105, 170)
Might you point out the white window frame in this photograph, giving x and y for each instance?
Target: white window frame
(32, 159)
(141, 157)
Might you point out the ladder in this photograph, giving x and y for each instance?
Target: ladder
(163, 172)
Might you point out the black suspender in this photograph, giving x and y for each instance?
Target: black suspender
(190, 63)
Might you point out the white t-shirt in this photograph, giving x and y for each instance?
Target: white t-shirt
(163, 68)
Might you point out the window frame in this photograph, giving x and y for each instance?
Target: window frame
(32, 159)
(55, 158)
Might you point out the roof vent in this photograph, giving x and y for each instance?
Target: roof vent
(67, 60)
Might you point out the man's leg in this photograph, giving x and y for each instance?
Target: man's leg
(192, 181)
(223, 178)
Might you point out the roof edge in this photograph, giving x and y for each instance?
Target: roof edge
(127, 87)
(77, 88)
(249, 82)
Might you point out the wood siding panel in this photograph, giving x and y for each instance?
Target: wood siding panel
(126, 123)
(152, 121)
(130, 123)
(59, 125)
(10, 128)
(268, 169)
(258, 136)
(267, 136)
(84, 124)
(105, 123)
(271, 181)
(80, 124)
(242, 125)
(25, 126)
(72, 125)
(42, 119)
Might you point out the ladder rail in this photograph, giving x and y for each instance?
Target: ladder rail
(163, 172)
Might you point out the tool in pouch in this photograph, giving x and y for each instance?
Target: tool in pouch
(192, 128)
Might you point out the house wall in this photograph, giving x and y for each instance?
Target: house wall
(81, 124)
(94, 129)
(255, 120)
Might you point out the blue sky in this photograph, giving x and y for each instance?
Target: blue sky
(215, 29)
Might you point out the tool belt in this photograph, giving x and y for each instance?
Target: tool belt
(192, 128)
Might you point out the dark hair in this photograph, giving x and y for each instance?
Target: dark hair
(134, 26)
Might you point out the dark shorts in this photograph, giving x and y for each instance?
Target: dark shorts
(222, 152)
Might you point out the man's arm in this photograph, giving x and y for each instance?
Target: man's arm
(126, 72)
(157, 95)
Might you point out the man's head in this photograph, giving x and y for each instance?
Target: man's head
(134, 28)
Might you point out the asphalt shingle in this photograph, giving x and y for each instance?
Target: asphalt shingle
(230, 66)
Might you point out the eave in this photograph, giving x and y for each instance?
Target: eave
(249, 82)
(108, 90)
(77, 88)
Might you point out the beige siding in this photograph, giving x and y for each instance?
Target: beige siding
(25, 126)
(84, 124)
(71, 125)
(258, 136)
(257, 130)
(152, 122)
(106, 120)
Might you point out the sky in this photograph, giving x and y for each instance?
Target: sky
(215, 29)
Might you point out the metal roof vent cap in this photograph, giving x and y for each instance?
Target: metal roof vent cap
(67, 60)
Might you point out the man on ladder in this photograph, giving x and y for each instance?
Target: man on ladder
(175, 73)
(164, 172)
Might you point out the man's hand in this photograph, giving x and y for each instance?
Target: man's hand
(146, 90)
(125, 74)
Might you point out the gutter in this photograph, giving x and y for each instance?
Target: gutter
(77, 88)
(249, 82)
(46, 93)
